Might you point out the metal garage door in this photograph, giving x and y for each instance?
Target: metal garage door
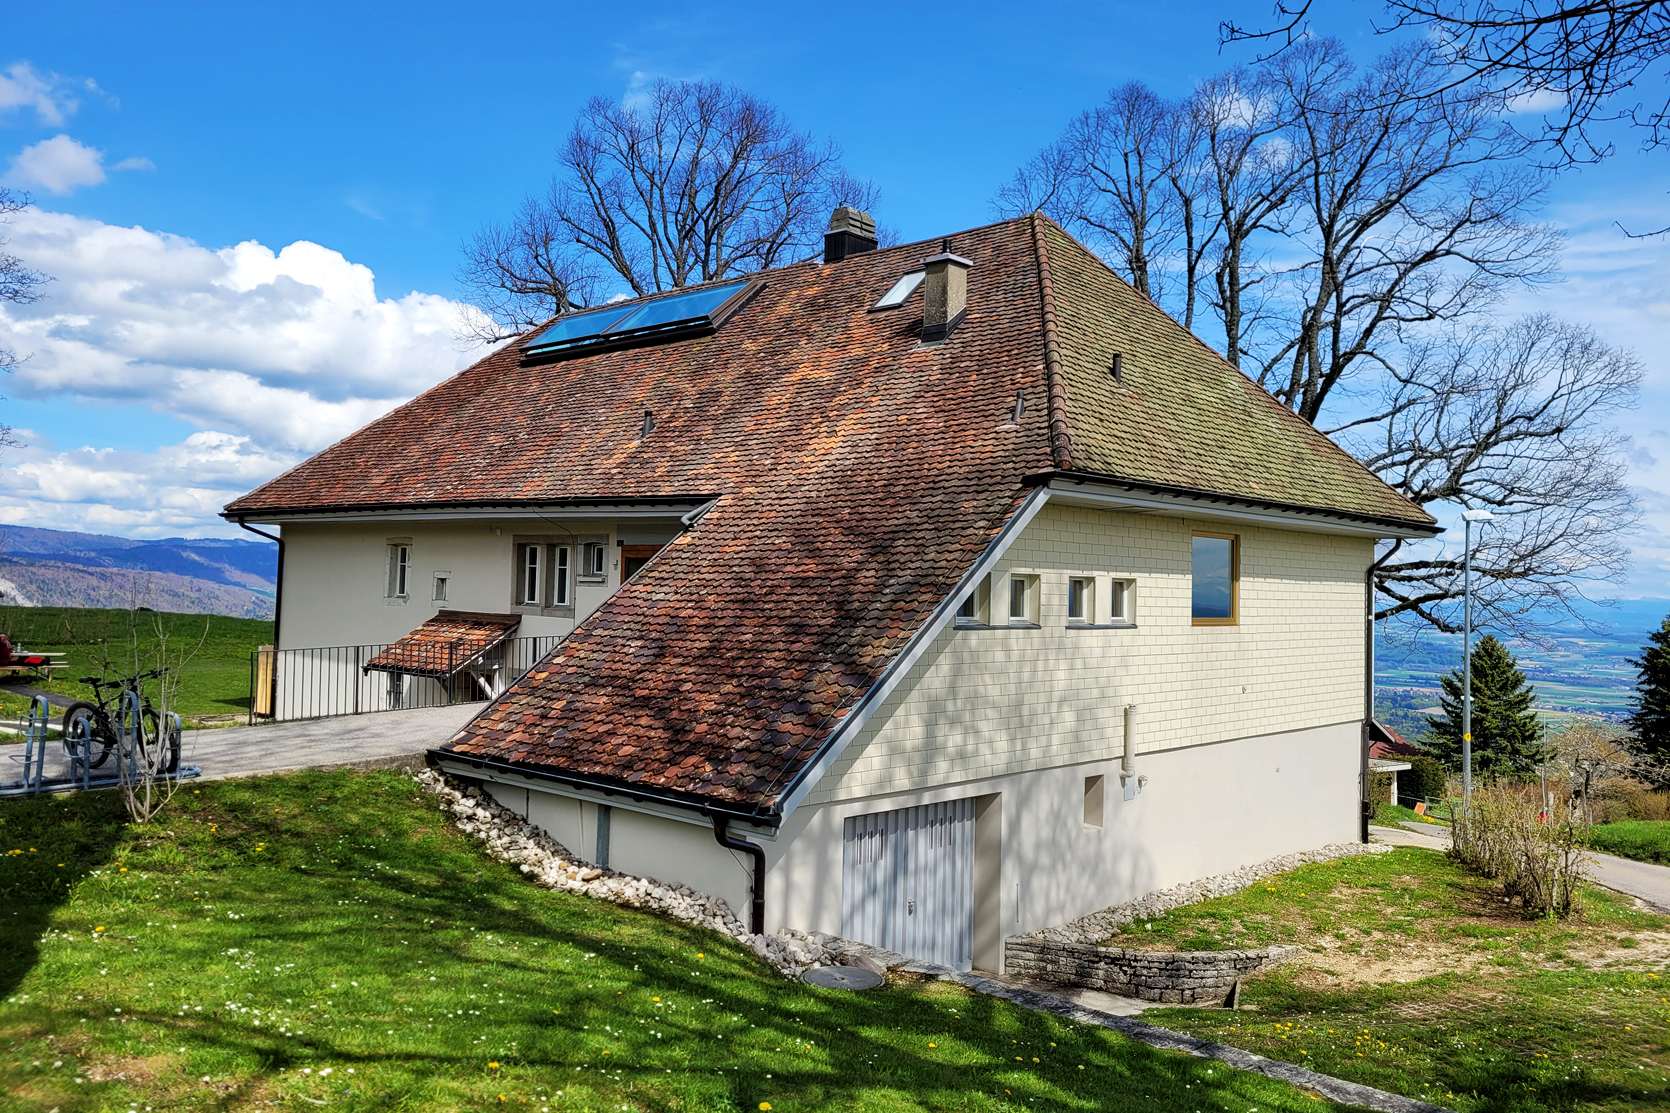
(907, 882)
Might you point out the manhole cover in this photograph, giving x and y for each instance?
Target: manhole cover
(843, 977)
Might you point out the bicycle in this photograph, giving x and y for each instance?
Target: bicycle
(92, 730)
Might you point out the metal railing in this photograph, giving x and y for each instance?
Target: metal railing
(289, 684)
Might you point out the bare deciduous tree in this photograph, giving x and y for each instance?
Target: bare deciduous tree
(698, 182)
(1513, 420)
(19, 284)
(1359, 225)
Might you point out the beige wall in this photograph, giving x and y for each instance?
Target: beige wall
(335, 575)
(993, 702)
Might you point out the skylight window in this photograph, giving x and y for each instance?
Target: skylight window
(692, 313)
(901, 290)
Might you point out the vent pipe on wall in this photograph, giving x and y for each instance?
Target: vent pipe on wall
(944, 293)
(1128, 764)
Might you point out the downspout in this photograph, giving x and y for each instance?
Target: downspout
(756, 911)
(1368, 694)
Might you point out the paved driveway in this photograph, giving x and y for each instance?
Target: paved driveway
(382, 737)
(1649, 882)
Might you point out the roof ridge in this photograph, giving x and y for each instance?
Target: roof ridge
(1060, 434)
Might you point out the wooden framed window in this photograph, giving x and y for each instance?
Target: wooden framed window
(634, 557)
(399, 570)
(1215, 569)
(561, 572)
(530, 575)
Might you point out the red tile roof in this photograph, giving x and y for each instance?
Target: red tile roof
(858, 473)
(1384, 742)
(442, 645)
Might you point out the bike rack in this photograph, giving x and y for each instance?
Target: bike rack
(80, 775)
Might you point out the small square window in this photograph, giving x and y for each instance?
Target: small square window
(1214, 569)
(441, 579)
(1081, 599)
(594, 560)
(1023, 600)
(1119, 601)
(1094, 813)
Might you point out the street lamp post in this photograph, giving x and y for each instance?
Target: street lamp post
(1468, 517)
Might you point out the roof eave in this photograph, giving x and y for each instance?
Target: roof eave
(1144, 497)
(659, 505)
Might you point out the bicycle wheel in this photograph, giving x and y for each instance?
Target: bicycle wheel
(168, 761)
(87, 735)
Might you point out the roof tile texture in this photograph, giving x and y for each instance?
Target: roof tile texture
(442, 645)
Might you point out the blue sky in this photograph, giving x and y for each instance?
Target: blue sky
(386, 134)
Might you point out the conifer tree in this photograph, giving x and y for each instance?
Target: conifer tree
(1506, 738)
(1651, 719)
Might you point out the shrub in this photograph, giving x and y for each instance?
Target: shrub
(1503, 834)
(1426, 778)
(1380, 788)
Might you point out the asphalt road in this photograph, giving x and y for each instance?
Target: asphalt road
(380, 738)
(1649, 882)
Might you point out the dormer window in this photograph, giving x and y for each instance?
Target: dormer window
(901, 290)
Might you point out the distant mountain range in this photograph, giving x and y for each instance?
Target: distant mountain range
(56, 568)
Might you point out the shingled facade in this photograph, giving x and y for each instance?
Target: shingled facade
(800, 502)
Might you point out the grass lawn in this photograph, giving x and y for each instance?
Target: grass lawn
(328, 938)
(1646, 840)
(1419, 980)
(214, 679)
(1394, 815)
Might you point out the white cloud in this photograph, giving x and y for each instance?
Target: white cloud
(61, 165)
(177, 489)
(274, 355)
(50, 96)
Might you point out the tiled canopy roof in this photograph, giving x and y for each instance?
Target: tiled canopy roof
(442, 645)
(858, 473)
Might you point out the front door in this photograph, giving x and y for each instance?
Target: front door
(907, 881)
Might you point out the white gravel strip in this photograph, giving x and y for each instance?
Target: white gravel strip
(510, 838)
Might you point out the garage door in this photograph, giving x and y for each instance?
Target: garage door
(907, 882)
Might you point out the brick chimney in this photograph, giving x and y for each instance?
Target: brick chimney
(944, 293)
(850, 231)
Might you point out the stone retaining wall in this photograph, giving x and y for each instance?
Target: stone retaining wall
(1173, 977)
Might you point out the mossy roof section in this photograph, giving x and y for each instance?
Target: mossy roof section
(1185, 417)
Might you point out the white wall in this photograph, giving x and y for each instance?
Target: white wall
(336, 575)
(1204, 810)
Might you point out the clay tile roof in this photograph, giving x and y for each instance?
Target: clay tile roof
(858, 475)
(1384, 742)
(442, 645)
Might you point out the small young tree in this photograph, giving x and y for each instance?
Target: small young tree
(1651, 720)
(1506, 738)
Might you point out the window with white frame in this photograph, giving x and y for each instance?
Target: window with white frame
(1081, 600)
(1120, 596)
(1023, 600)
(975, 609)
(399, 570)
(530, 575)
(560, 573)
(594, 557)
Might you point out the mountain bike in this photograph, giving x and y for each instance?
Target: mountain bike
(93, 730)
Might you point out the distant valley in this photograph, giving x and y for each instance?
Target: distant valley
(57, 568)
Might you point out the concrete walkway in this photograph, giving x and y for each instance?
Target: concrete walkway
(381, 738)
(1646, 881)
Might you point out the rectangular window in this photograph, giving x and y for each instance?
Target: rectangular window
(1215, 570)
(560, 573)
(1080, 598)
(441, 578)
(975, 609)
(529, 582)
(400, 570)
(1093, 811)
(1119, 601)
(1023, 599)
(593, 560)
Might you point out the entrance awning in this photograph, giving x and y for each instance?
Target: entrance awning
(449, 643)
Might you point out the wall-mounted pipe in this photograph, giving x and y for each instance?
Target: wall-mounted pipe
(1128, 764)
(756, 911)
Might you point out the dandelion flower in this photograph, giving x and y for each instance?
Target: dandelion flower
(492, 1066)
(765, 1105)
(933, 1045)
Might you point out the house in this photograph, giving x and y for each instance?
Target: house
(924, 595)
(1389, 752)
